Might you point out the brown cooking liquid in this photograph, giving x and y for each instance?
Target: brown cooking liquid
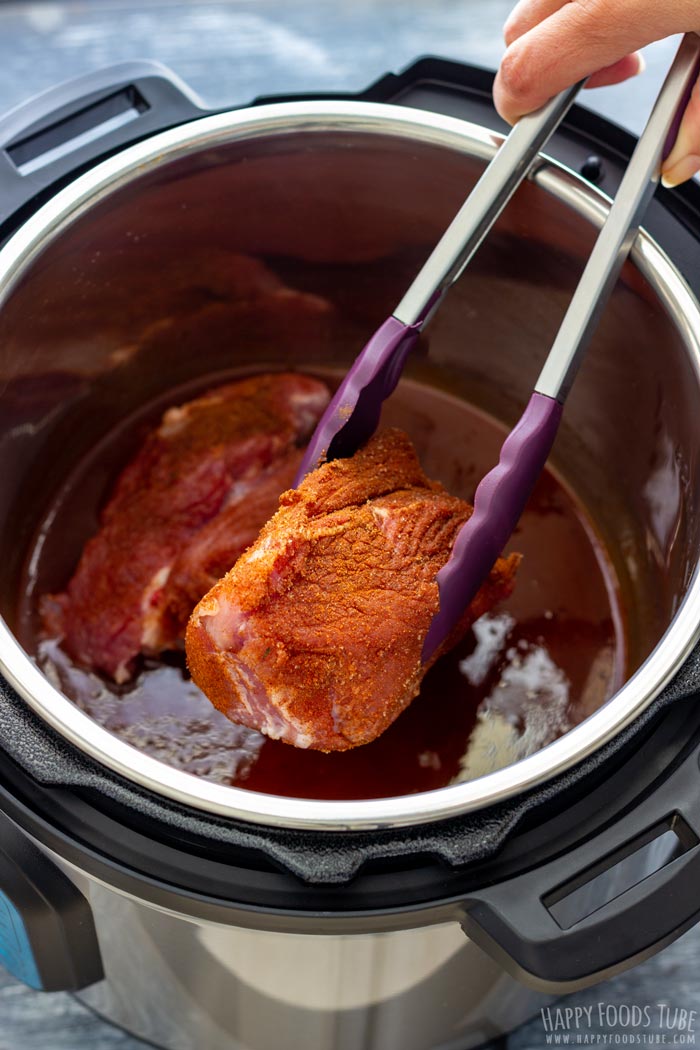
(529, 671)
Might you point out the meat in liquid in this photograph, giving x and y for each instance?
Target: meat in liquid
(546, 659)
(314, 637)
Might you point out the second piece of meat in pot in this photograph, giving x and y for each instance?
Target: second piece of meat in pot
(315, 636)
(192, 499)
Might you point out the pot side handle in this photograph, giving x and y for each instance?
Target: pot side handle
(47, 934)
(63, 130)
(606, 905)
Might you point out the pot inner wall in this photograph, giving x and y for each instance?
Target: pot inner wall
(133, 303)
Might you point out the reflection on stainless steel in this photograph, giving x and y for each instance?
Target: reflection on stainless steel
(154, 201)
(189, 985)
(664, 493)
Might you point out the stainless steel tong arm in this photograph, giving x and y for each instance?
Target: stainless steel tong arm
(621, 225)
(481, 209)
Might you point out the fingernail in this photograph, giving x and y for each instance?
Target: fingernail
(642, 63)
(681, 171)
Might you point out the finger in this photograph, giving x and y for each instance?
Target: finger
(684, 159)
(628, 67)
(577, 40)
(526, 15)
(529, 13)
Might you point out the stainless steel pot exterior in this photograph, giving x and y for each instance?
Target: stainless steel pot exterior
(185, 984)
(348, 197)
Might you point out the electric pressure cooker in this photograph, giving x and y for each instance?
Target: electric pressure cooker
(200, 915)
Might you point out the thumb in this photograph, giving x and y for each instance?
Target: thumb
(684, 159)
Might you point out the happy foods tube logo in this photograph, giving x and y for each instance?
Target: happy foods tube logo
(619, 1024)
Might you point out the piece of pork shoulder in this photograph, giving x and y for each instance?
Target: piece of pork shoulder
(226, 455)
(315, 636)
(218, 545)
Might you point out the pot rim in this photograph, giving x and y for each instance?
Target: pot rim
(627, 703)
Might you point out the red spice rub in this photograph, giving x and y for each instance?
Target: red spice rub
(315, 636)
(192, 499)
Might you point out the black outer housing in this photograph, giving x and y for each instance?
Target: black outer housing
(63, 113)
(490, 870)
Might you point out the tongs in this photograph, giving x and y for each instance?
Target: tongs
(353, 414)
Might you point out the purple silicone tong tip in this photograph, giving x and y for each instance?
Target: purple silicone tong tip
(498, 503)
(353, 413)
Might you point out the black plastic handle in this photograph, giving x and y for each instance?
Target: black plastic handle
(47, 934)
(521, 921)
(58, 132)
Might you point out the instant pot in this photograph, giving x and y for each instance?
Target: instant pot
(199, 915)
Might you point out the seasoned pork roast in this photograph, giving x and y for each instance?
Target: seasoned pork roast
(314, 637)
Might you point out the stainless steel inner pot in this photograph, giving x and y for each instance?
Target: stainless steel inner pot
(348, 198)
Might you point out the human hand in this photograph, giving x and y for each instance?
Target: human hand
(552, 44)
